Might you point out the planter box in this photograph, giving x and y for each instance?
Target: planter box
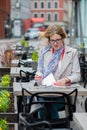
(12, 115)
(10, 89)
(13, 126)
(4, 70)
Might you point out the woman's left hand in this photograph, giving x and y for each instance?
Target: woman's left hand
(62, 82)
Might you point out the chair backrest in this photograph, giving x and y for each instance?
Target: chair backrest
(26, 76)
(83, 67)
(24, 56)
(52, 97)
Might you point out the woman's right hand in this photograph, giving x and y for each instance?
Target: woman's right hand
(38, 76)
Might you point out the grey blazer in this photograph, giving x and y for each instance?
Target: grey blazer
(69, 67)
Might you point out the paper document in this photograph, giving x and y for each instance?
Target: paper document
(49, 80)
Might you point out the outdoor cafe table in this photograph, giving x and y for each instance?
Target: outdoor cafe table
(80, 120)
(17, 88)
(15, 71)
(15, 62)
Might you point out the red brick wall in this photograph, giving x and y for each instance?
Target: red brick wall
(60, 12)
(4, 12)
(2, 34)
(5, 6)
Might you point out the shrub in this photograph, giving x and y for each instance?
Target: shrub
(4, 100)
(5, 80)
(3, 124)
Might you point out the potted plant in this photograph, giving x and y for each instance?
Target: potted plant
(3, 124)
(35, 56)
(25, 44)
(7, 56)
(4, 100)
(34, 60)
(6, 82)
(8, 106)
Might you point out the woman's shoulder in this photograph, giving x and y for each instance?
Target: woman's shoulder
(68, 48)
(42, 47)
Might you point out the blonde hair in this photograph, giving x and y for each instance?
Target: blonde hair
(51, 30)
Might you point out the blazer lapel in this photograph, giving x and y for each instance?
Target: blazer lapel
(66, 60)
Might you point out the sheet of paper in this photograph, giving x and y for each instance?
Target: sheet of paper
(49, 80)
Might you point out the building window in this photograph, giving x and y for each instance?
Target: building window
(42, 15)
(35, 5)
(56, 17)
(35, 15)
(42, 4)
(49, 17)
(49, 5)
(55, 4)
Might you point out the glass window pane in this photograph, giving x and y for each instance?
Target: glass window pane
(49, 6)
(35, 5)
(56, 5)
(42, 5)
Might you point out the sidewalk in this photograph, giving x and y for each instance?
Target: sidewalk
(4, 41)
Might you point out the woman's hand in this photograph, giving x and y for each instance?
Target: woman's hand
(38, 76)
(62, 82)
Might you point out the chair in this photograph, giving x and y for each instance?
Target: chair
(23, 123)
(28, 76)
(84, 75)
(83, 67)
(62, 122)
(25, 64)
(25, 76)
(24, 56)
(85, 81)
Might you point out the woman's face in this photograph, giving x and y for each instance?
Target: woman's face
(56, 42)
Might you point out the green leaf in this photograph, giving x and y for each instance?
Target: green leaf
(35, 56)
(4, 100)
(3, 124)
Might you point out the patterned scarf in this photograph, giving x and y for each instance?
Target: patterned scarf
(52, 66)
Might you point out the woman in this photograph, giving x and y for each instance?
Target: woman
(58, 59)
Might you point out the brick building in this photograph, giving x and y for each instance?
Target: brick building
(4, 15)
(54, 11)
